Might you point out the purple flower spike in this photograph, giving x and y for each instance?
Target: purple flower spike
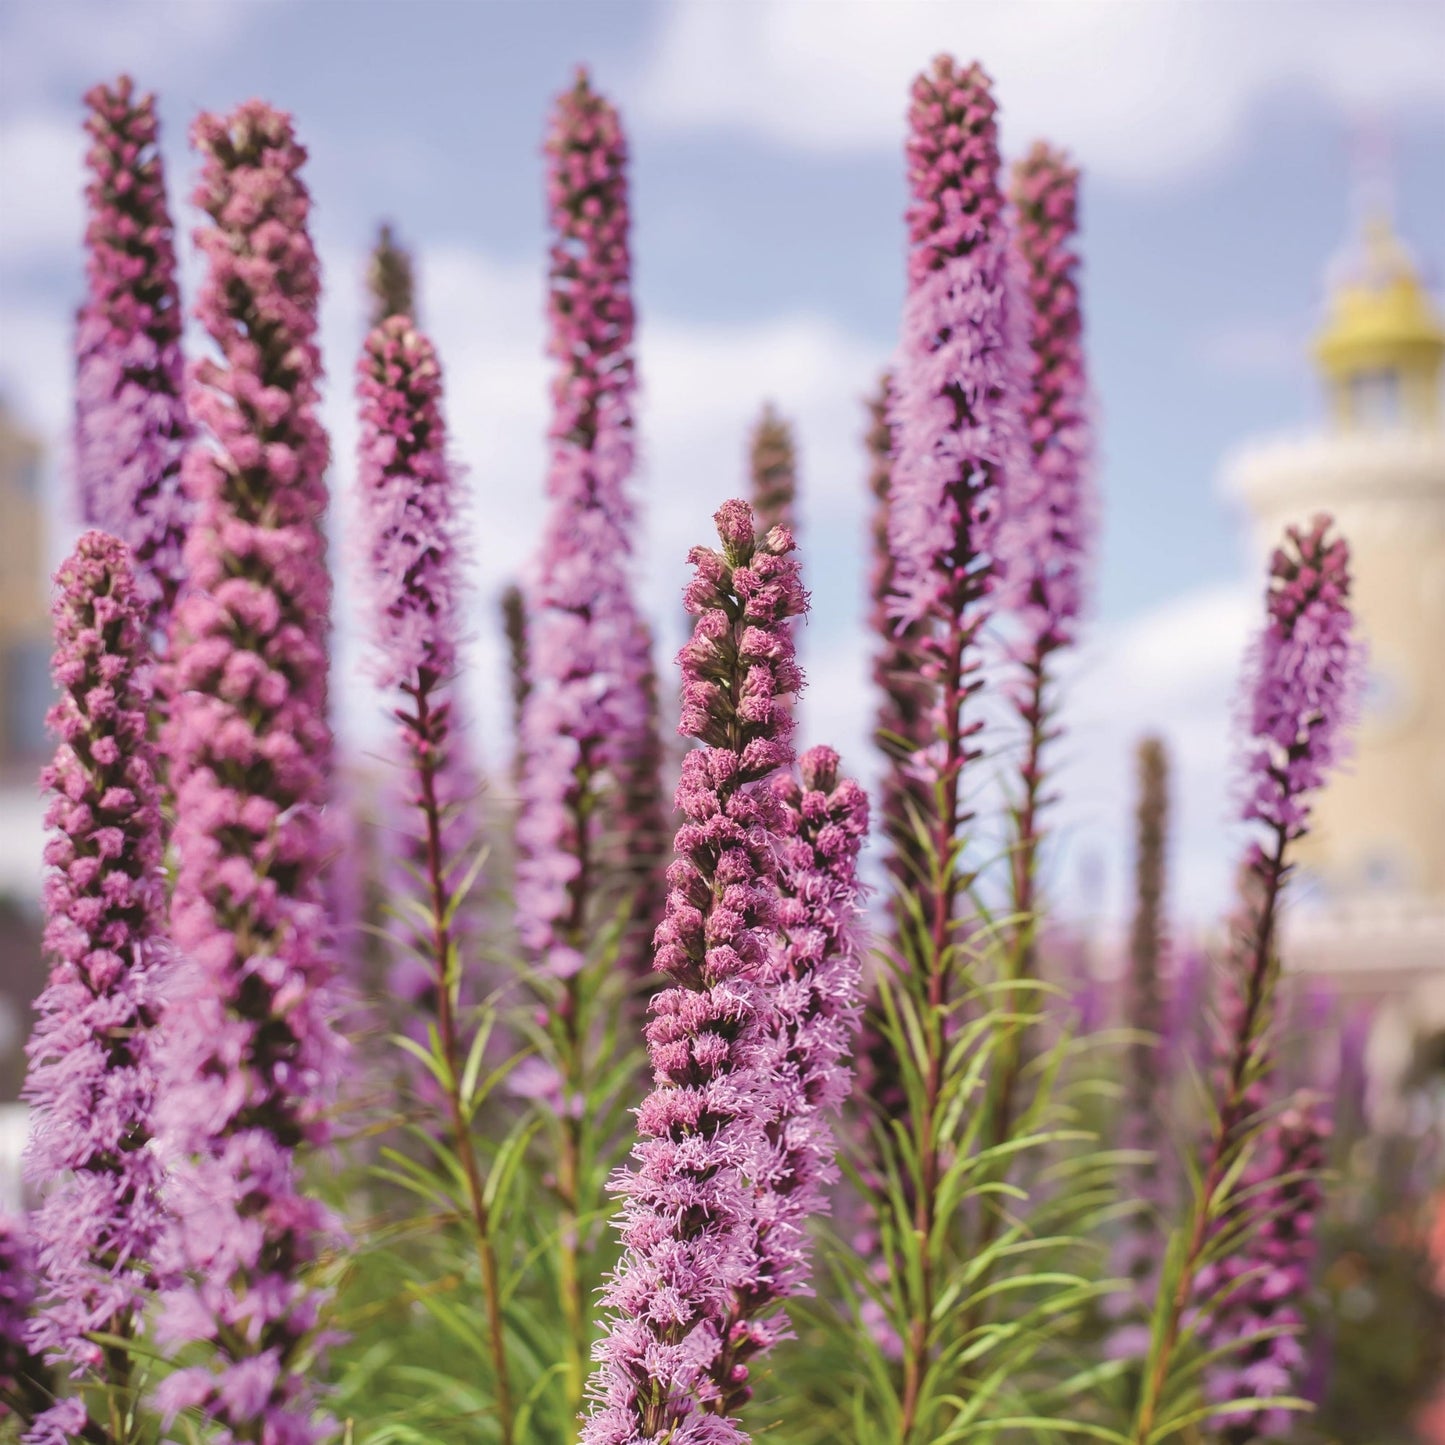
(252, 1060)
(130, 419)
(409, 535)
(585, 720)
(26, 1386)
(815, 981)
(1306, 672)
(92, 1079)
(689, 1224)
(1045, 529)
(1265, 1283)
(409, 506)
(954, 402)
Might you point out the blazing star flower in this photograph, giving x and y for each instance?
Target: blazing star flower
(1307, 667)
(1044, 533)
(1263, 1285)
(689, 1223)
(954, 397)
(410, 543)
(26, 1386)
(585, 721)
(131, 429)
(814, 978)
(252, 1061)
(92, 1080)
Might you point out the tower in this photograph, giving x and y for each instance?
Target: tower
(1374, 920)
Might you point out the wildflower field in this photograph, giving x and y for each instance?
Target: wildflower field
(696, 1096)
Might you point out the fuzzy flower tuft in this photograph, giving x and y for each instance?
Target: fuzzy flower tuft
(954, 402)
(814, 980)
(1306, 672)
(131, 429)
(92, 1081)
(689, 1212)
(1045, 527)
(252, 1059)
(1263, 1285)
(585, 719)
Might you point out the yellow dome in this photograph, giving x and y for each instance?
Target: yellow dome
(1381, 317)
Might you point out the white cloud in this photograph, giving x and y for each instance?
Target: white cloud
(41, 183)
(72, 44)
(1138, 89)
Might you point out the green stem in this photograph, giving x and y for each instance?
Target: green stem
(430, 738)
(1223, 1149)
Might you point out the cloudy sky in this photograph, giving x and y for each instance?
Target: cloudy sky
(1220, 144)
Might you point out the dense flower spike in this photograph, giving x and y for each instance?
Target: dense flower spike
(409, 535)
(585, 719)
(92, 1080)
(954, 399)
(26, 1386)
(130, 417)
(815, 980)
(390, 281)
(773, 470)
(901, 723)
(1263, 1285)
(1302, 693)
(689, 1213)
(1047, 512)
(252, 1059)
(1307, 669)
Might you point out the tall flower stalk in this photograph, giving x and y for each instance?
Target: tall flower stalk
(815, 978)
(690, 1214)
(1302, 695)
(901, 722)
(954, 416)
(92, 1080)
(131, 428)
(1258, 1290)
(252, 1058)
(587, 732)
(1041, 542)
(519, 665)
(408, 512)
(27, 1384)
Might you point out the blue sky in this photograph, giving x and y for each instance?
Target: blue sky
(768, 186)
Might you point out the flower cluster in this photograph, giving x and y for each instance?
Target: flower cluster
(585, 718)
(130, 417)
(409, 535)
(814, 979)
(955, 393)
(689, 1211)
(1259, 1291)
(252, 1057)
(1044, 530)
(92, 1081)
(1307, 667)
(24, 1380)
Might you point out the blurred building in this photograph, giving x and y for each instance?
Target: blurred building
(1373, 923)
(24, 699)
